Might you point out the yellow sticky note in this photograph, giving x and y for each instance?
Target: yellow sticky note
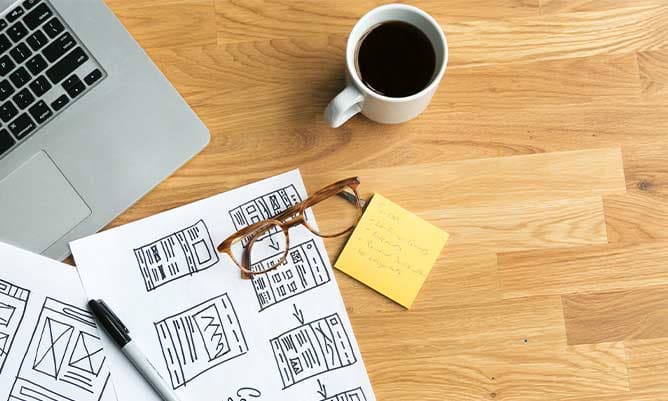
(392, 250)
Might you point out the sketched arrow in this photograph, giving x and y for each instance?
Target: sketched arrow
(322, 391)
(298, 314)
(273, 244)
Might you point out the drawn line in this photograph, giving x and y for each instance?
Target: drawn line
(350, 395)
(295, 277)
(176, 256)
(43, 368)
(13, 301)
(213, 331)
(297, 356)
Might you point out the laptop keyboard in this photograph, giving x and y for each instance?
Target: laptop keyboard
(44, 69)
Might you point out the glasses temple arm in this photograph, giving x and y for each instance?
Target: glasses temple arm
(351, 198)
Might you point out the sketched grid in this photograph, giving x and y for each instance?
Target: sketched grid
(177, 255)
(13, 302)
(350, 395)
(200, 338)
(64, 360)
(312, 349)
(264, 207)
(304, 269)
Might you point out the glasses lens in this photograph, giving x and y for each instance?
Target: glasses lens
(262, 250)
(336, 214)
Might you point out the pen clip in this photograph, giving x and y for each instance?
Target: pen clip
(112, 316)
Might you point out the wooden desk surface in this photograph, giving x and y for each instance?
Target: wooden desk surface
(544, 154)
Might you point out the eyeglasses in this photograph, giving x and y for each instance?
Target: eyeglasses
(248, 248)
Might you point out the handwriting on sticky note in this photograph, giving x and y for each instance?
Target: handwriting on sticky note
(392, 250)
(387, 249)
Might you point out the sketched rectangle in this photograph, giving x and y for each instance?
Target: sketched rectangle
(13, 303)
(200, 338)
(350, 395)
(175, 256)
(304, 269)
(49, 369)
(264, 207)
(312, 349)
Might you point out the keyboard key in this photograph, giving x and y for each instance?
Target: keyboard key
(20, 53)
(71, 81)
(6, 141)
(14, 14)
(73, 86)
(66, 65)
(37, 40)
(93, 76)
(37, 16)
(17, 31)
(40, 85)
(53, 27)
(36, 64)
(3, 24)
(8, 111)
(76, 90)
(6, 65)
(23, 99)
(5, 44)
(6, 90)
(40, 112)
(28, 4)
(22, 126)
(59, 47)
(20, 77)
(60, 102)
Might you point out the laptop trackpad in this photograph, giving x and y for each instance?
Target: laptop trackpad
(38, 205)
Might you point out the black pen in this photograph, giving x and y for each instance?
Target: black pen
(121, 336)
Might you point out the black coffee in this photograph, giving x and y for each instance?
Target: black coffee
(396, 59)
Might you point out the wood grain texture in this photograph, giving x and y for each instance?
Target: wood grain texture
(521, 226)
(543, 153)
(251, 20)
(647, 362)
(528, 84)
(653, 72)
(635, 217)
(496, 181)
(623, 396)
(616, 316)
(563, 35)
(584, 269)
(171, 23)
(483, 374)
(505, 323)
(560, 6)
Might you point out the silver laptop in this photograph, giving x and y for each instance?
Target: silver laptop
(88, 124)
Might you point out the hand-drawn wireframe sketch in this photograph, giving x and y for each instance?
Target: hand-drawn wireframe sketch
(350, 395)
(177, 255)
(264, 207)
(200, 338)
(65, 360)
(312, 349)
(13, 301)
(304, 269)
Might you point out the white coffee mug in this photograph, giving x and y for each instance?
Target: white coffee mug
(357, 97)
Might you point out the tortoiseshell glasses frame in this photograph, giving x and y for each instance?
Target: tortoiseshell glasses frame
(289, 218)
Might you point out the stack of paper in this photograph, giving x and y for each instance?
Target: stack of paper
(284, 335)
(50, 348)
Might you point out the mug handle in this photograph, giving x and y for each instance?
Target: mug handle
(345, 105)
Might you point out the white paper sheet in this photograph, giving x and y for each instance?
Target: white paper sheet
(50, 348)
(212, 335)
